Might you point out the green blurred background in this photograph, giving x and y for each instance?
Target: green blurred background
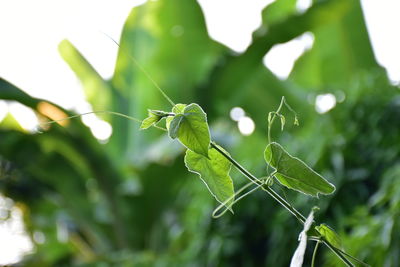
(131, 202)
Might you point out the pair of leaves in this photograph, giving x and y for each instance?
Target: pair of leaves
(190, 126)
(294, 173)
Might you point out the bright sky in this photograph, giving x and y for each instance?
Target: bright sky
(31, 30)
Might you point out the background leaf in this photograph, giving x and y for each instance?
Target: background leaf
(169, 40)
(98, 92)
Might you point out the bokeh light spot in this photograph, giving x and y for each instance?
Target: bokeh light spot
(246, 126)
(324, 103)
(236, 113)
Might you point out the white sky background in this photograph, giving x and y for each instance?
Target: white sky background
(30, 32)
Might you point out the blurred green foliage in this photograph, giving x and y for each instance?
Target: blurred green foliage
(131, 202)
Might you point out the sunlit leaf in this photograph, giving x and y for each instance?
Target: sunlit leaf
(329, 235)
(294, 173)
(191, 128)
(158, 113)
(278, 11)
(214, 172)
(149, 121)
(177, 109)
(174, 126)
(9, 122)
(97, 91)
(154, 117)
(311, 71)
(169, 41)
(9, 91)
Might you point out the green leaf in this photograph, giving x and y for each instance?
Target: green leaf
(10, 123)
(154, 117)
(214, 172)
(159, 113)
(191, 128)
(278, 11)
(177, 109)
(346, 56)
(9, 91)
(329, 235)
(169, 40)
(174, 126)
(97, 91)
(150, 121)
(294, 173)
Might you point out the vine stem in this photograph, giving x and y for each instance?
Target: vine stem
(105, 112)
(270, 122)
(280, 200)
(273, 114)
(315, 254)
(338, 253)
(266, 188)
(142, 70)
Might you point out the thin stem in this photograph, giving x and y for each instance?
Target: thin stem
(315, 253)
(285, 204)
(279, 199)
(144, 71)
(353, 258)
(272, 115)
(266, 188)
(270, 122)
(338, 253)
(107, 112)
(216, 213)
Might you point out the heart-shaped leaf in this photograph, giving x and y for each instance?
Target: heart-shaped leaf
(214, 172)
(191, 128)
(174, 125)
(177, 109)
(294, 173)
